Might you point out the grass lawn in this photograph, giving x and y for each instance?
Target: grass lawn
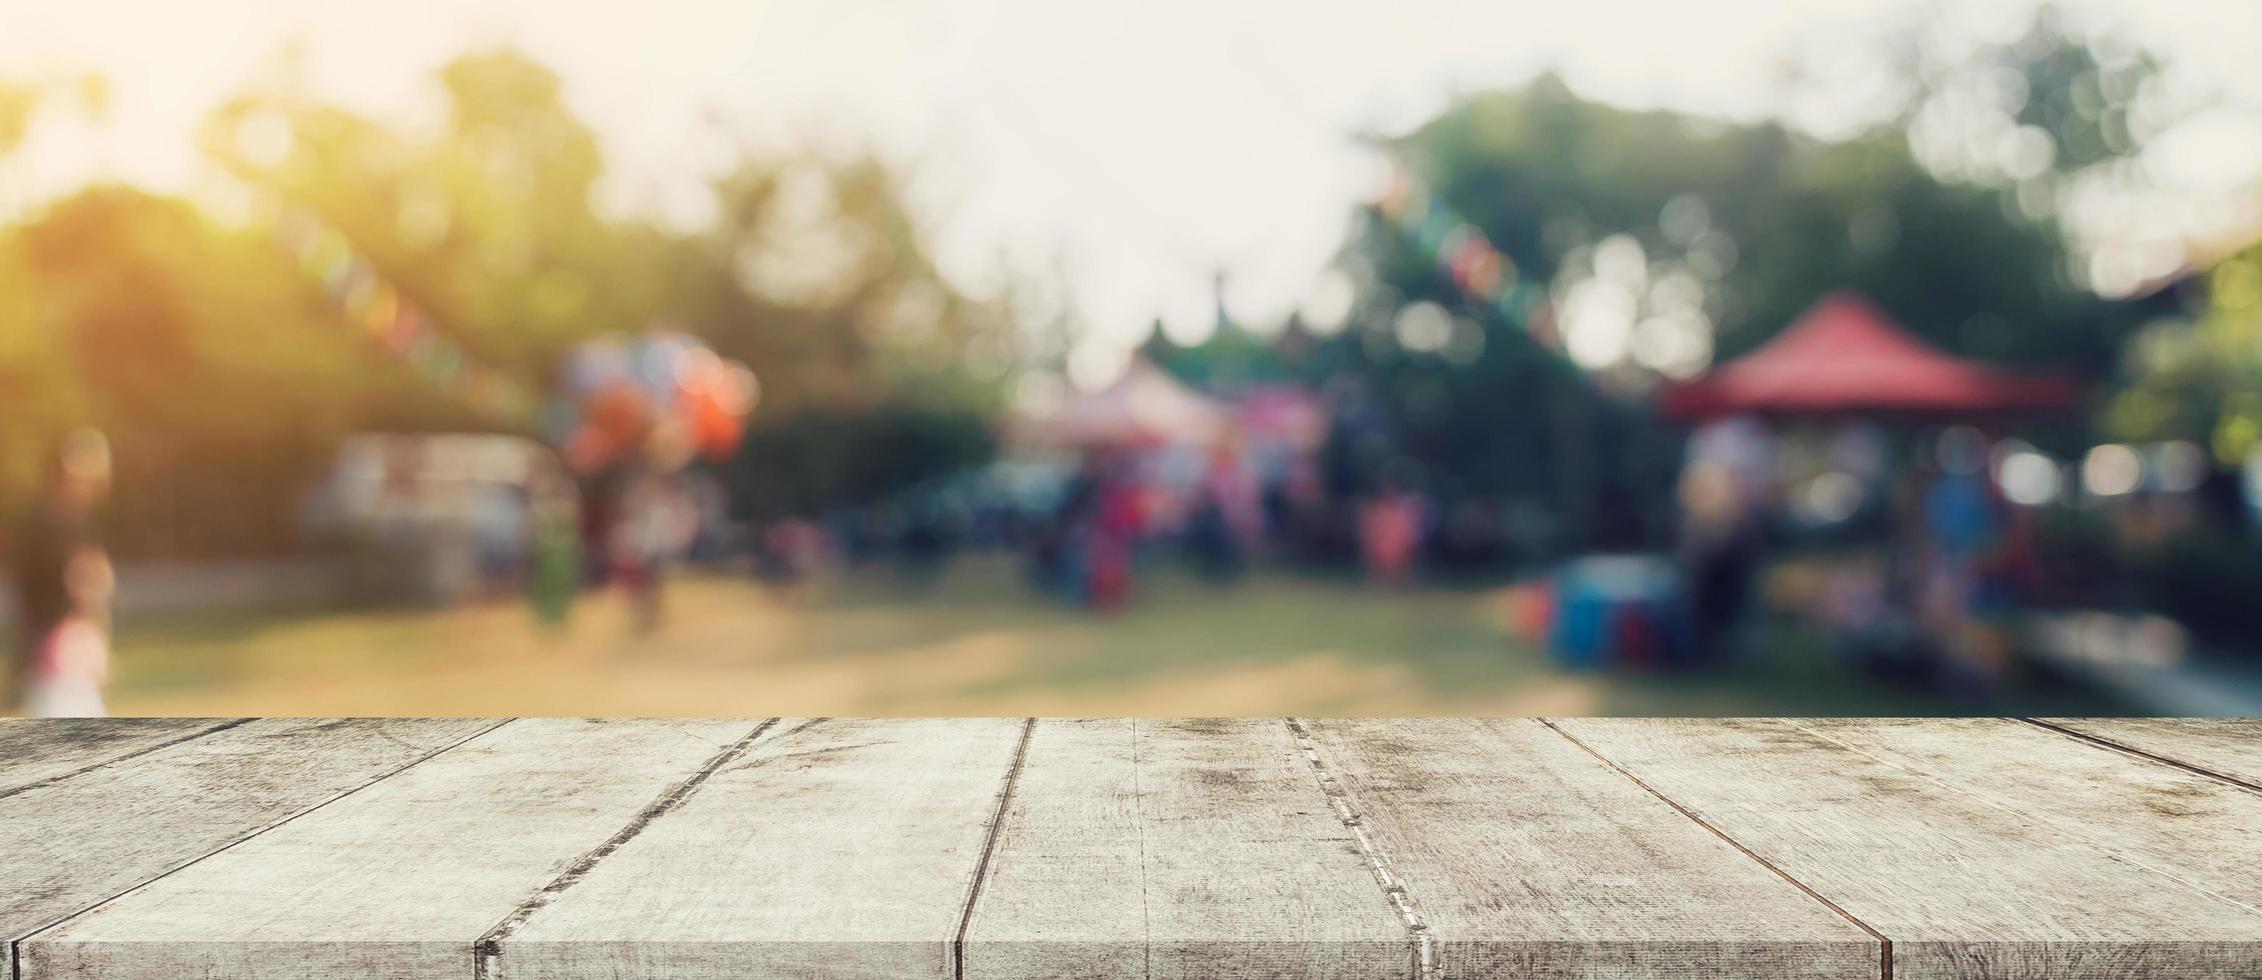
(973, 641)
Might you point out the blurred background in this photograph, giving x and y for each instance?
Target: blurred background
(1265, 356)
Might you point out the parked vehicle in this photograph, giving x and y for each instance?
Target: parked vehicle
(436, 517)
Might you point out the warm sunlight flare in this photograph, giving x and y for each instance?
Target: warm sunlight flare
(1027, 357)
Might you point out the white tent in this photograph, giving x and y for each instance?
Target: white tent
(1146, 406)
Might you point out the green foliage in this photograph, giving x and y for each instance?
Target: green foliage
(225, 376)
(2201, 381)
(195, 346)
(815, 267)
(486, 223)
(818, 459)
(1545, 173)
(1780, 220)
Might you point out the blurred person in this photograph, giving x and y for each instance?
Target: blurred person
(1724, 489)
(64, 585)
(924, 546)
(1953, 552)
(713, 535)
(1962, 534)
(656, 525)
(1718, 554)
(1117, 522)
(501, 526)
(554, 558)
(1311, 523)
(1062, 548)
(1390, 533)
(1228, 517)
(1084, 553)
(789, 551)
(1052, 544)
(601, 493)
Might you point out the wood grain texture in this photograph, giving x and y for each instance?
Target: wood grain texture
(68, 844)
(1963, 887)
(399, 879)
(32, 750)
(999, 849)
(1528, 857)
(2230, 747)
(1177, 849)
(2147, 813)
(832, 848)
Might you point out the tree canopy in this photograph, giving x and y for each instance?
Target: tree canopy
(200, 345)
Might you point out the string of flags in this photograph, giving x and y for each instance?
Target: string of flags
(1459, 250)
(665, 396)
(401, 328)
(396, 324)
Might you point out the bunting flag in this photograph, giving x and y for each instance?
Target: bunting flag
(1460, 251)
(613, 398)
(396, 325)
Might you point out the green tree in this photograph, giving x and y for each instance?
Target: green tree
(486, 224)
(1735, 228)
(192, 345)
(225, 373)
(2200, 380)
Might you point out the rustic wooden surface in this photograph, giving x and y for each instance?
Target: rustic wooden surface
(839, 847)
(1016, 849)
(1177, 849)
(2222, 747)
(1960, 886)
(35, 751)
(1526, 856)
(398, 880)
(69, 843)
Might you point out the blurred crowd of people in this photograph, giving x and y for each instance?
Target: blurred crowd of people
(1125, 501)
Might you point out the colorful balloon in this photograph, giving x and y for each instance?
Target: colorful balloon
(664, 397)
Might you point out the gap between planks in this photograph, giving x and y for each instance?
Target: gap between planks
(1884, 944)
(989, 848)
(488, 948)
(121, 757)
(1139, 817)
(2100, 741)
(1983, 800)
(1419, 937)
(15, 946)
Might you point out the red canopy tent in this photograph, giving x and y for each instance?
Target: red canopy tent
(1843, 356)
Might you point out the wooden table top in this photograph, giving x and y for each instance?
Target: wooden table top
(1113, 848)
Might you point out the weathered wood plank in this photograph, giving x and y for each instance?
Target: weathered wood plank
(833, 848)
(2230, 747)
(1963, 888)
(694, 850)
(2148, 813)
(397, 880)
(1177, 849)
(70, 843)
(1525, 856)
(35, 749)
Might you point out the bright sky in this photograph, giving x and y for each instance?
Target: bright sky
(1137, 145)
